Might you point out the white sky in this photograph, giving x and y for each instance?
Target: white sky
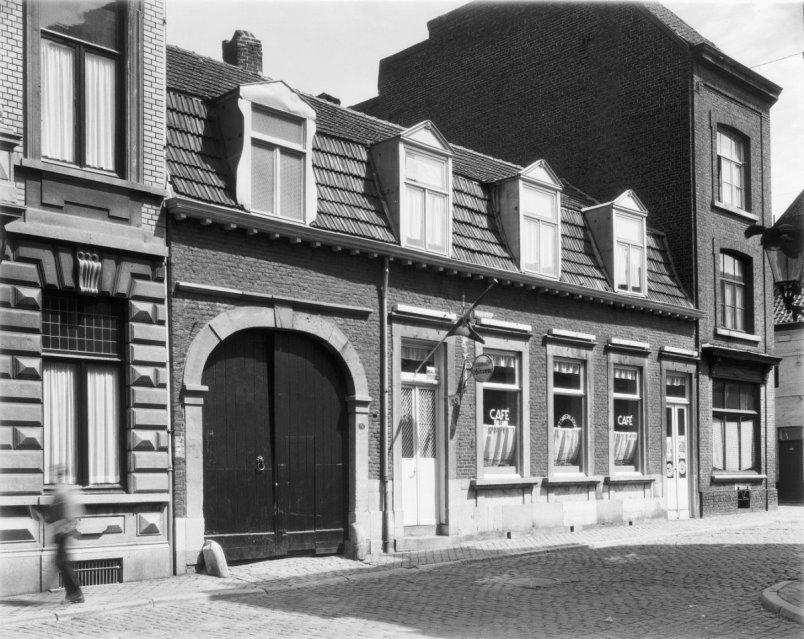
(336, 45)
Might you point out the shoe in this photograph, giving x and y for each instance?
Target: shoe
(75, 599)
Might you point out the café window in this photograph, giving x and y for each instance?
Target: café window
(735, 426)
(627, 430)
(82, 395)
(501, 410)
(569, 414)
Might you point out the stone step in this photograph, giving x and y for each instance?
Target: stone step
(418, 543)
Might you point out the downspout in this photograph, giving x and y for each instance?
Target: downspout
(384, 417)
(168, 327)
(765, 313)
(696, 296)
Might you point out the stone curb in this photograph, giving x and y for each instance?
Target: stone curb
(774, 603)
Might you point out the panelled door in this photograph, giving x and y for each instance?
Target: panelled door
(275, 446)
(676, 471)
(419, 467)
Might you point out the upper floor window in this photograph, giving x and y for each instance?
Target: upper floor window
(540, 227)
(82, 375)
(734, 293)
(81, 60)
(731, 169)
(427, 197)
(277, 164)
(629, 258)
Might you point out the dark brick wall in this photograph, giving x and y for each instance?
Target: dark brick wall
(208, 255)
(598, 90)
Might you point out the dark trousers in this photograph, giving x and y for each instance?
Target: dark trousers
(71, 586)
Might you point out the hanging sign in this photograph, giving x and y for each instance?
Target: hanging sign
(482, 368)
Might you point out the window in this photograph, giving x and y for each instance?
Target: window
(540, 228)
(731, 169)
(627, 418)
(735, 425)
(81, 52)
(82, 376)
(501, 396)
(629, 256)
(569, 414)
(733, 293)
(426, 194)
(277, 164)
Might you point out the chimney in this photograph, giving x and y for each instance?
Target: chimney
(244, 51)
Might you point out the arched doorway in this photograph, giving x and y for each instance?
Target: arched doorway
(275, 445)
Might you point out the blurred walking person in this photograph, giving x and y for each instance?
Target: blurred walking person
(63, 514)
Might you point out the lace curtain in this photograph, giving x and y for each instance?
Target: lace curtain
(499, 446)
(58, 89)
(99, 104)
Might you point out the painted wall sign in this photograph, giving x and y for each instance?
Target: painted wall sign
(482, 368)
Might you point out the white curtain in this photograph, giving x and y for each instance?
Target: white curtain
(61, 420)
(567, 368)
(415, 230)
(624, 447)
(504, 361)
(500, 445)
(99, 98)
(635, 268)
(58, 87)
(547, 248)
(625, 373)
(717, 444)
(103, 428)
(291, 183)
(531, 248)
(436, 221)
(747, 444)
(676, 380)
(567, 442)
(732, 448)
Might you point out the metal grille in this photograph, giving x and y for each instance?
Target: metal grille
(78, 325)
(97, 572)
(426, 397)
(406, 423)
(744, 498)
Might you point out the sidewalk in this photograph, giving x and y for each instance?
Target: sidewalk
(785, 598)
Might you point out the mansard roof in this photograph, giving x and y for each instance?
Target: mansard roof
(349, 203)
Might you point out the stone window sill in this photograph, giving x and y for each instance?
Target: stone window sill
(737, 477)
(729, 208)
(748, 337)
(505, 482)
(632, 478)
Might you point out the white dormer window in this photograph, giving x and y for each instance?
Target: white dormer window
(427, 196)
(277, 164)
(618, 228)
(268, 135)
(414, 170)
(540, 246)
(531, 218)
(629, 258)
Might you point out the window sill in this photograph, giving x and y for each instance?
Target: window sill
(629, 478)
(748, 337)
(93, 177)
(735, 210)
(501, 481)
(109, 498)
(733, 477)
(571, 479)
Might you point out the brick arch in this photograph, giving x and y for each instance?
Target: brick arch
(190, 528)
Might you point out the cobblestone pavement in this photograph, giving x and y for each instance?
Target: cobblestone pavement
(700, 584)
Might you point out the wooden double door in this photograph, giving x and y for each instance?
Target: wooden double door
(275, 446)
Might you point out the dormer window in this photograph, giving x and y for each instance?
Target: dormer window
(629, 258)
(427, 195)
(268, 133)
(618, 228)
(530, 210)
(415, 175)
(277, 164)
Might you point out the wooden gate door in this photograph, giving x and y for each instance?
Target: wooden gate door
(311, 435)
(238, 455)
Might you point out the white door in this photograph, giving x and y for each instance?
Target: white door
(676, 458)
(418, 434)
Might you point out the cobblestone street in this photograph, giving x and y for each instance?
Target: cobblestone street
(703, 584)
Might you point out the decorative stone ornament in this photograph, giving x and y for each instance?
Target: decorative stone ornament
(89, 271)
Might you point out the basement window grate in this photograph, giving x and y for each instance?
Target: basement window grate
(97, 572)
(744, 498)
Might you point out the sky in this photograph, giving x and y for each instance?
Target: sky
(335, 46)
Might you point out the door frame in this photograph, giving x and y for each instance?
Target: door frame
(189, 528)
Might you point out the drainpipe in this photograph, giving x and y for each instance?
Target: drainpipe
(171, 510)
(765, 319)
(384, 417)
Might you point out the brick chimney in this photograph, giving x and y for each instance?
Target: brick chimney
(244, 51)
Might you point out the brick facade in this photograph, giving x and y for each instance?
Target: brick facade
(613, 96)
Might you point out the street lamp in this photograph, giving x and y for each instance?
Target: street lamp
(788, 275)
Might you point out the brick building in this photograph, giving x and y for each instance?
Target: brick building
(628, 94)
(319, 258)
(83, 368)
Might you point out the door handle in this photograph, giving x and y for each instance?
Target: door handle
(260, 464)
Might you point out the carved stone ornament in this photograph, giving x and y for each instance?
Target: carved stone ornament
(89, 271)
